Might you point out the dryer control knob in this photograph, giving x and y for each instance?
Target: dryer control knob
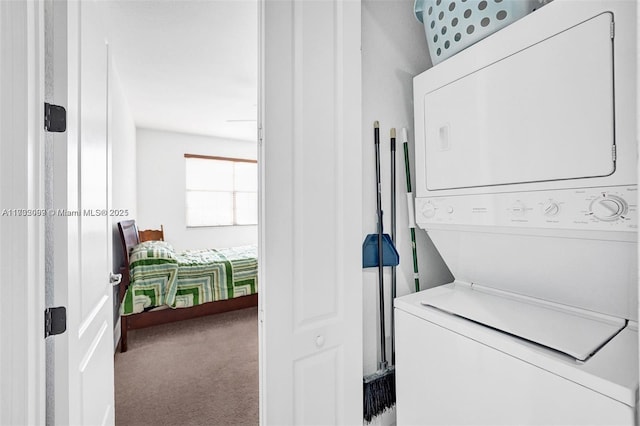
(608, 208)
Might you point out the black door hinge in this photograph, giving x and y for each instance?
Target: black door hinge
(55, 118)
(55, 321)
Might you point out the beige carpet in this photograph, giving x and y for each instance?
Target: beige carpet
(202, 371)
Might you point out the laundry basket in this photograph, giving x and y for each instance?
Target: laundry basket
(452, 25)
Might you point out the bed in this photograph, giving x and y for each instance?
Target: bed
(160, 285)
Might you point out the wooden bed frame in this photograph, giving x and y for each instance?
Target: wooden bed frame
(129, 237)
(151, 234)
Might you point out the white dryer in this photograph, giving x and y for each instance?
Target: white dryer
(526, 182)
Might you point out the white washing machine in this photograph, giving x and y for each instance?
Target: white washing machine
(526, 182)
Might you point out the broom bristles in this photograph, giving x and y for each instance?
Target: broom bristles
(379, 393)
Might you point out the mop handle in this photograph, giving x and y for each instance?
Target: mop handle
(376, 141)
(393, 239)
(383, 350)
(410, 208)
(393, 184)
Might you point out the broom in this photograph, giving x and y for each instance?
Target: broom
(379, 388)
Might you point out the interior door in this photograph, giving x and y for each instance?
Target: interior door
(84, 390)
(311, 213)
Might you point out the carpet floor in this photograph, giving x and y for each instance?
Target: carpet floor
(202, 371)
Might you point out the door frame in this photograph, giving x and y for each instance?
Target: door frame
(22, 347)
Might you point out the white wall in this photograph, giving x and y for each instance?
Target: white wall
(394, 50)
(122, 138)
(161, 187)
(122, 135)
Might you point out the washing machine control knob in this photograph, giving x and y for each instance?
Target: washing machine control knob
(518, 208)
(550, 208)
(608, 207)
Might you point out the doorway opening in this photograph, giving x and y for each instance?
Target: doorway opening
(187, 74)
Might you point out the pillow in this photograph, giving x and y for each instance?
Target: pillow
(154, 251)
(153, 271)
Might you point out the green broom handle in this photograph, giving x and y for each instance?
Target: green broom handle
(412, 225)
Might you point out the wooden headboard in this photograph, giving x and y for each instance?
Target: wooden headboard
(151, 234)
(129, 238)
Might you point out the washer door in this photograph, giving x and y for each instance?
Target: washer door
(572, 331)
(511, 122)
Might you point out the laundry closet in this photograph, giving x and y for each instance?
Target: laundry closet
(526, 184)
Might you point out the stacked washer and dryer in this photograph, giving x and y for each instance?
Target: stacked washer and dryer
(526, 182)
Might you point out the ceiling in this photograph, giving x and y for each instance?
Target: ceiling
(188, 66)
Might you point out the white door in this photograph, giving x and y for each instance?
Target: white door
(311, 213)
(84, 390)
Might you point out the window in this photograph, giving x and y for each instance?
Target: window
(221, 191)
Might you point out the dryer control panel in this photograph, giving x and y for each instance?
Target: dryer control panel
(601, 209)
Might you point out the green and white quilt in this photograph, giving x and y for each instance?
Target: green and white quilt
(160, 276)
